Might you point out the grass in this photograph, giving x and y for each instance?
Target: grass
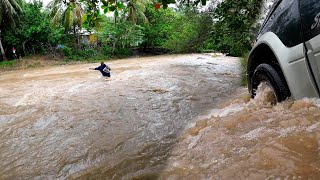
(243, 68)
(8, 64)
(19, 64)
(90, 59)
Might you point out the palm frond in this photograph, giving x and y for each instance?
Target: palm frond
(67, 14)
(137, 9)
(10, 11)
(18, 5)
(143, 16)
(68, 18)
(78, 14)
(8, 8)
(54, 6)
(56, 18)
(1, 14)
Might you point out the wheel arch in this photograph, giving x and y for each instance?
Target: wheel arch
(291, 61)
(262, 53)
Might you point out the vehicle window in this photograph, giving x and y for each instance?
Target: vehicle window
(285, 3)
(267, 6)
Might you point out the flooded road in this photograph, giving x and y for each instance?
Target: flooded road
(69, 123)
(162, 117)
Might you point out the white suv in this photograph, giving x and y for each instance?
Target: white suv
(287, 53)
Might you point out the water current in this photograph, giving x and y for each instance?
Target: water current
(162, 117)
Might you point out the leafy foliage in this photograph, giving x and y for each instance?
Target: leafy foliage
(69, 14)
(160, 26)
(228, 27)
(33, 29)
(190, 30)
(9, 11)
(235, 26)
(9, 14)
(124, 35)
(136, 8)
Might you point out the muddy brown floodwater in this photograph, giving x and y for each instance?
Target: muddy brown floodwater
(68, 122)
(162, 117)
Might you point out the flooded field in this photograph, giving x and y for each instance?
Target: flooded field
(162, 117)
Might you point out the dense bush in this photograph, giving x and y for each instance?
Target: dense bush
(235, 26)
(32, 31)
(67, 51)
(107, 50)
(89, 55)
(178, 31)
(123, 52)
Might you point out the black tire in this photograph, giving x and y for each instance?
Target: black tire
(265, 72)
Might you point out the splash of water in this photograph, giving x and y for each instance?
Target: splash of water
(251, 139)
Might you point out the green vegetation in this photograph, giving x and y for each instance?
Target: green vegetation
(243, 66)
(76, 30)
(235, 26)
(32, 30)
(7, 64)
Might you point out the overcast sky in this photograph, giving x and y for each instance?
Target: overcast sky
(45, 2)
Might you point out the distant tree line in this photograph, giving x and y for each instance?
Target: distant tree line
(228, 26)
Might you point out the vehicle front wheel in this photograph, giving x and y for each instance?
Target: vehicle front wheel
(266, 74)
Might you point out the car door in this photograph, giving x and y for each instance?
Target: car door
(310, 17)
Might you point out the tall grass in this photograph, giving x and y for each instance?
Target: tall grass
(243, 68)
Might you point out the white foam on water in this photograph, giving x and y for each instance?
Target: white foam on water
(253, 134)
(194, 141)
(285, 132)
(39, 96)
(231, 109)
(312, 127)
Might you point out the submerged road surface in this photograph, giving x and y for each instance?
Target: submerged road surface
(69, 123)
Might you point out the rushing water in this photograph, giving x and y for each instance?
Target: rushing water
(68, 122)
(163, 117)
(251, 139)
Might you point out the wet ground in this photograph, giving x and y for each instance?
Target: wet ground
(163, 117)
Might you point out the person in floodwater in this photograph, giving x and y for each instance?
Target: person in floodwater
(104, 69)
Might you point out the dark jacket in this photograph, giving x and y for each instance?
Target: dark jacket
(100, 68)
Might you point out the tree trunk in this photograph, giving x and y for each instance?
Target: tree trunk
(2, 51)
(114, 45)
(24, 46)
(74, 33)
(78, 37)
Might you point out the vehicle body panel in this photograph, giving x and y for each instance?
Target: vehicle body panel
(284, 33)
(293, 65)
(285, 22)
(310, 16)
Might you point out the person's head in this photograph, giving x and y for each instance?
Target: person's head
(102, 62)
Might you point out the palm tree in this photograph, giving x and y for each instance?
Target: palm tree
(136, 10)
(9, 11)
(69, 14)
